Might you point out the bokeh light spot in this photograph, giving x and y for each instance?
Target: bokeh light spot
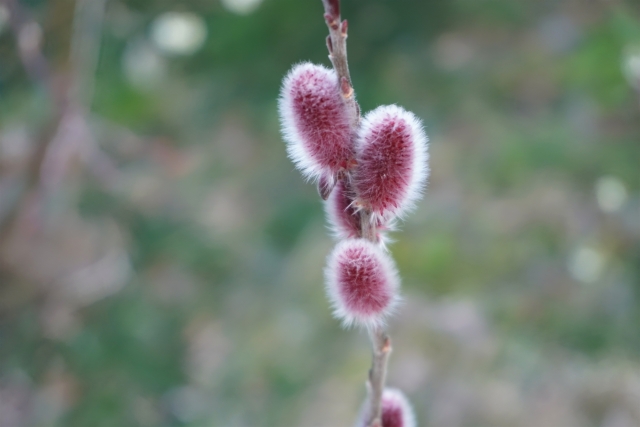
(178, 33)
(611, 194)
(586, 265)
(241, 7)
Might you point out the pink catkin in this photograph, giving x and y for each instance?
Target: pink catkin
(315, 121)
(344, 217)
(396, 410)
(392, 161)
(341, 212)
(362, 283)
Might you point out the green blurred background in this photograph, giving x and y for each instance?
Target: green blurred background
(161, 260)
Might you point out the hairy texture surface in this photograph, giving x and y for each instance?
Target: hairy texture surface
(396, 410)
(315, 121)
(362, 283)
(341, 212)
(392, 161)
(344, 218)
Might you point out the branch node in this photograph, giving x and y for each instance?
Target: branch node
(386, 346)
(332, 21)
(345, 88)
(332, 7)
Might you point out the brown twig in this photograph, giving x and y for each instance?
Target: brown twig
(337, 45)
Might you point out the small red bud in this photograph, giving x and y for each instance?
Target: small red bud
(328, 18)
(332, 7)
(342, 213)
(332, 21)
(325, 186)
(344, 26)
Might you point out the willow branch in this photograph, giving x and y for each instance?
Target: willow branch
(337, 46)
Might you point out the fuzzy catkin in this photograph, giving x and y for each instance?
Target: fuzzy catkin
(362, 283)
(315, 122)
(391, 154)
(342, 214)
(396, 410)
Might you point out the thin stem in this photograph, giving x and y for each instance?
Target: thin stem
(377, 374)
(337, 46)
(367, 226)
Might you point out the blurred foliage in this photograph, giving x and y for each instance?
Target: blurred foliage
(165, 267)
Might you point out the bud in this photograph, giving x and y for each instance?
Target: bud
(344, 216)
(315, 121)
(392, 161)
(325, 186)
(362, 283)
(342, 213)
(396, 410)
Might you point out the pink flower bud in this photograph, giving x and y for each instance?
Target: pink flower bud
(392, 161)
(315, 121)
(344, 217)
(362, 283)
(341, 212)
(396, 410)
